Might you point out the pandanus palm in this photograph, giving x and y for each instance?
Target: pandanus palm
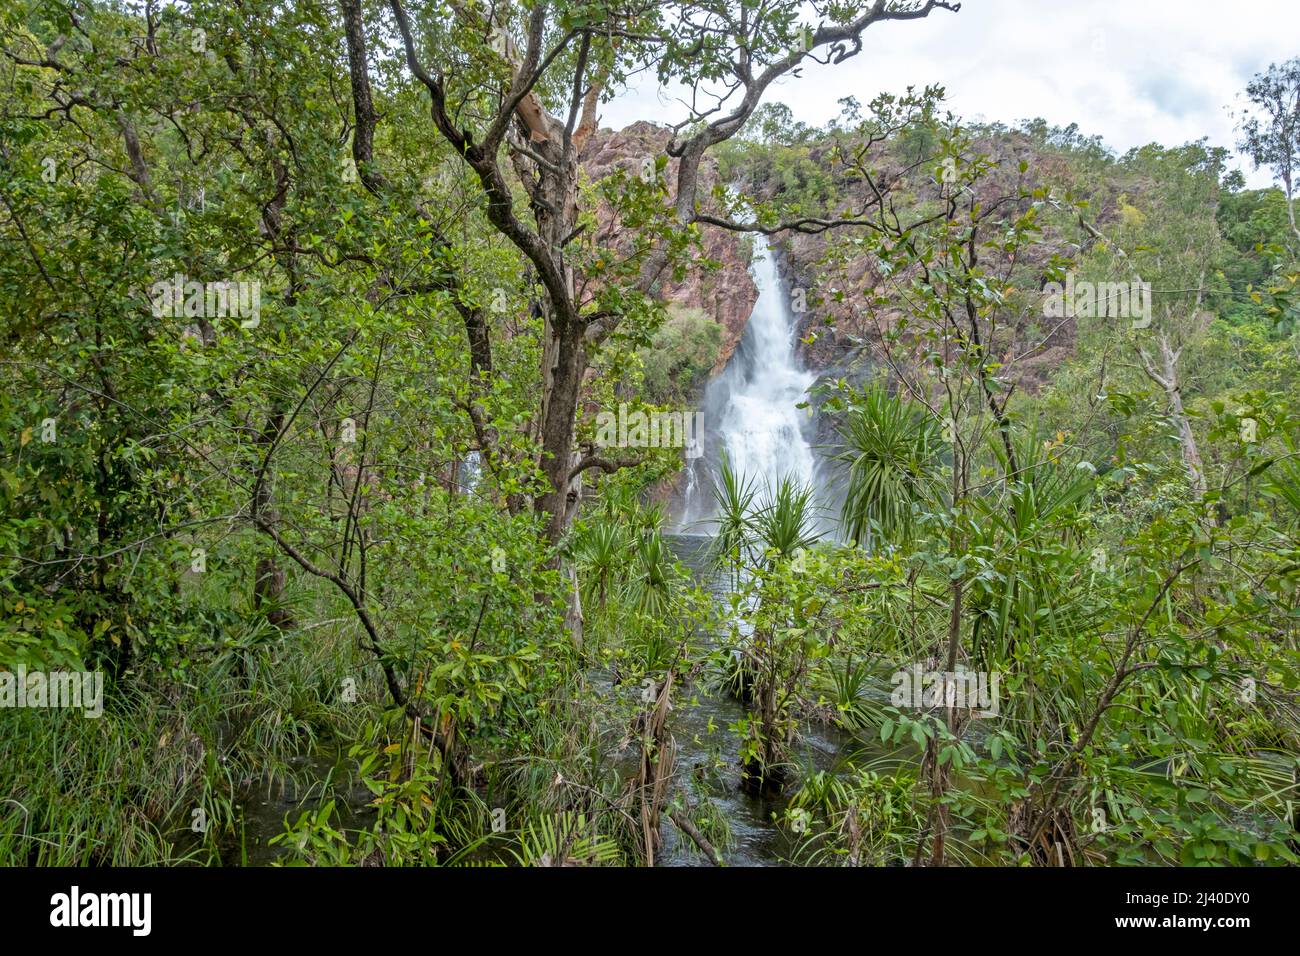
(653, 577)
(891, 449)
(1043, 589)
(784, 526)
(733, 527)
(787, 521)
(602, 554)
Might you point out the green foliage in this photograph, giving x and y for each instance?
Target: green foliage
(890, 450)
(679, 358)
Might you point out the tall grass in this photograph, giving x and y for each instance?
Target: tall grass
(158, 778)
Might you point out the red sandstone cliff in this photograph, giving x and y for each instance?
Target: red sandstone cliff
(727, 293)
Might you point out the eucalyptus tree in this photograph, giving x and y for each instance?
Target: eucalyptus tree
(155, 141)
(1270, 127)
(1175, 243)
(150, 142)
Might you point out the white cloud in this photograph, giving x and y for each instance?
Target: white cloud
(1131, 71)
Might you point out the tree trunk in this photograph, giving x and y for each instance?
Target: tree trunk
(1167, 378)
(559, 410)
(268, 576)
(1290, 205)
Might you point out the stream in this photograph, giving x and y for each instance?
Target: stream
(758, 839)
(752, 416)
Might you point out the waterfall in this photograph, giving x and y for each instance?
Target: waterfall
(469, 473)
(750, 409)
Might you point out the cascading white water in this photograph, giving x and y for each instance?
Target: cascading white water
(470, 472)
(751, 409)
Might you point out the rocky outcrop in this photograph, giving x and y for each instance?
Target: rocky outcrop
(836, 332)
(720, 285)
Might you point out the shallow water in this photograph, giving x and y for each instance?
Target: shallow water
(707, 765)
(759, 841)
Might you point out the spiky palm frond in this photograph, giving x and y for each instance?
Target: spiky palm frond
(601, 552)
(891, 449)
(787, 521)
(733, 527)
(654, 576)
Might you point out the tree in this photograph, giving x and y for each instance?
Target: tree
(1270, 127)
(1176, 242)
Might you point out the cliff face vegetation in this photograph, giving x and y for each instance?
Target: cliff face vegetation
(1094, 194)
(832, 328)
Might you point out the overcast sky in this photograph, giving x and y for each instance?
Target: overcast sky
(1131, 71)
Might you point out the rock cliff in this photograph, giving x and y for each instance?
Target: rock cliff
(726, 293)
